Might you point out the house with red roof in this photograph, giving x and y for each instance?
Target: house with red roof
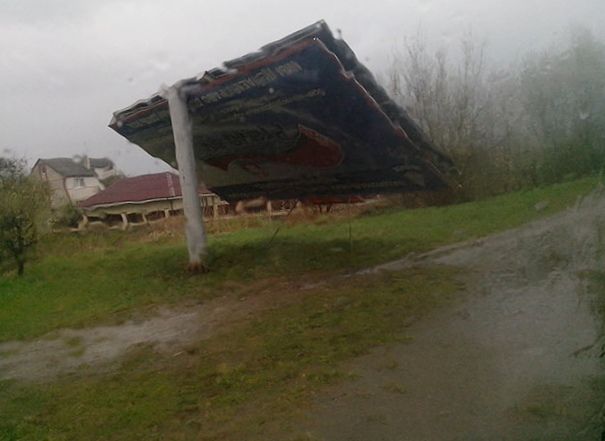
(143, 199)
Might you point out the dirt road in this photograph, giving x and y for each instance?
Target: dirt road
(519, 360)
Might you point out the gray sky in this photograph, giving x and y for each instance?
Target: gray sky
(66, 65)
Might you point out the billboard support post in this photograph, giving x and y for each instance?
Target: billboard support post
(185, 159)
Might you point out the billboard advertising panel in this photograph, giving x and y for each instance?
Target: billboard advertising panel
(300, 118)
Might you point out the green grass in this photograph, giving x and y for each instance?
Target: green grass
(239, 385)
(97, 277)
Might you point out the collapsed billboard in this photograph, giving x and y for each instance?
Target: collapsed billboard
(300, 118)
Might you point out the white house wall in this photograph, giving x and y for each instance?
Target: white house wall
(59, 196)
(78, 192)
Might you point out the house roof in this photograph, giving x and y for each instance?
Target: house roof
(67, 167)
(137, 189)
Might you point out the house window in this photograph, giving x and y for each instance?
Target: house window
(78, 182)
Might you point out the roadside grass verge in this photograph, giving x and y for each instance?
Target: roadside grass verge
(244, 384)
(104, 277)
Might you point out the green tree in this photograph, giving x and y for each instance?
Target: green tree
(24, 211)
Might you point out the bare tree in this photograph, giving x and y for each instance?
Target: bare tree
(539, 122)
(463, 109)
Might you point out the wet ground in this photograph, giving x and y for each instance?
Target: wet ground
(168, 331)
(521, 359)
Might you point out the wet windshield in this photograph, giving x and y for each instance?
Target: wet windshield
(262, 220)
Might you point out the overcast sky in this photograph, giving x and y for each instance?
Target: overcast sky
(66, 65)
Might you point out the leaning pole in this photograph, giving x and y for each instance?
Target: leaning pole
(185, 159)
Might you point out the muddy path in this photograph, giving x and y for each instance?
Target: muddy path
(166, 330)
(521, 359)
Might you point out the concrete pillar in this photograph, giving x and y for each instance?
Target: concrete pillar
(83, 222)
(269, 209)
(214, 207)
(145, 221)
(183, 141)
(166, 214)
(124, 221)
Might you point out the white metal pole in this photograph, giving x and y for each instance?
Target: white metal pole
(185, 159)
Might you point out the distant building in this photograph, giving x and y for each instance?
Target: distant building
(69, 181)
(143, 199)
(104, 168)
